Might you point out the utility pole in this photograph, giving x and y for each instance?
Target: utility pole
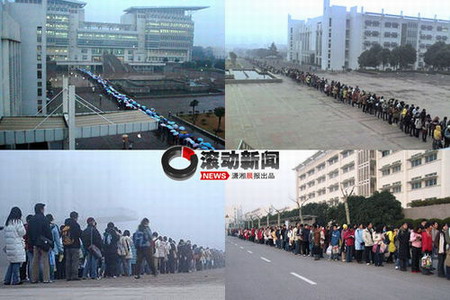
(346, 196)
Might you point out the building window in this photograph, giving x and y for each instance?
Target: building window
(39, 66)
(431, 182)
(39, 84)
(39, 92)
(416, 162)
(386, 172)
(397, 189)
(385, 153)
(430, 158)
(39, 74)
(416, 185)
(396, 169)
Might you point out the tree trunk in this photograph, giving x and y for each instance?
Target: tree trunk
(218, 126)
(347, 212)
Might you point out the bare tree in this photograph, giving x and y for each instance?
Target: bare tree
(346, 195)
(299, 206)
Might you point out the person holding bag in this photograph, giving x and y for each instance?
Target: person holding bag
(40, 236)
(92, 241)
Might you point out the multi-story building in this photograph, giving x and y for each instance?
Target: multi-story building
(324, 176)
(56, 30)
(414, 174)
(10, 60)
(336, 39)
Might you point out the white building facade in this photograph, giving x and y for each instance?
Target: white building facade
(414, 174)
(10, 66)
(325, 175)
(335, 40)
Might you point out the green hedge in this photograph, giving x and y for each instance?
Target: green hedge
(418, 203)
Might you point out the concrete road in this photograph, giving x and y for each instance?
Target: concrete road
(292, 116)
(260, 272)
(198, 285)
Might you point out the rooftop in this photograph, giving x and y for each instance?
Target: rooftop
(79, 3)
(185, 8)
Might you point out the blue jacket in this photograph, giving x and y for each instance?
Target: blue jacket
(335, 237)
(359, 240)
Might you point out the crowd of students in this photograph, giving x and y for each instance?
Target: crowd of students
(177, 134)
(42, 251)
(403, 246)
(410, 118)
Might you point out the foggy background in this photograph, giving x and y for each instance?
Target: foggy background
(118, 186)
(257, 23)
(253, 194)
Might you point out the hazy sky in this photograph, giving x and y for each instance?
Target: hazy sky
(253, 194)
(259, 22)
(209, 23)
(117, 186)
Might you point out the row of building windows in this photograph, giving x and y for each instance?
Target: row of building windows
(428, 158)
(377, 24)
(427, 183)
(108, 36)
(331, 161)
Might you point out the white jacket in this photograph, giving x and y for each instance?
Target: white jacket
(14, 243)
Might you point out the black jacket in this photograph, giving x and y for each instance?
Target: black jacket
(91, 234)
(403, 244)
(75, 233)
(37, 227)
(110, 240)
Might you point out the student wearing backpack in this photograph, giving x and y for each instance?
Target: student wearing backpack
(110, 241)
(57, 249)
(142, 240)
(93, 244)
(71, 236)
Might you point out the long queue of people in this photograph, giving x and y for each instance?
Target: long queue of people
(177, 134)
(410, 118)
(42, 251)
(406, 247)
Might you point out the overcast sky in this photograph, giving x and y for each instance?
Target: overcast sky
(122, 187)
(253, 194)
(259, 22)
(209, 23)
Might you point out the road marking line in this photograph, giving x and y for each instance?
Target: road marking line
(303, 278)
(249, 251)
(265, 259)
(241, 247)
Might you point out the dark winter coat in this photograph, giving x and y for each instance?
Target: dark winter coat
(37, 227)
(403, 244)
(91, 236)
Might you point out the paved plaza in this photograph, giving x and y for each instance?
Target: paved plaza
(291, 116)
(261, 272)
(205, 285)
